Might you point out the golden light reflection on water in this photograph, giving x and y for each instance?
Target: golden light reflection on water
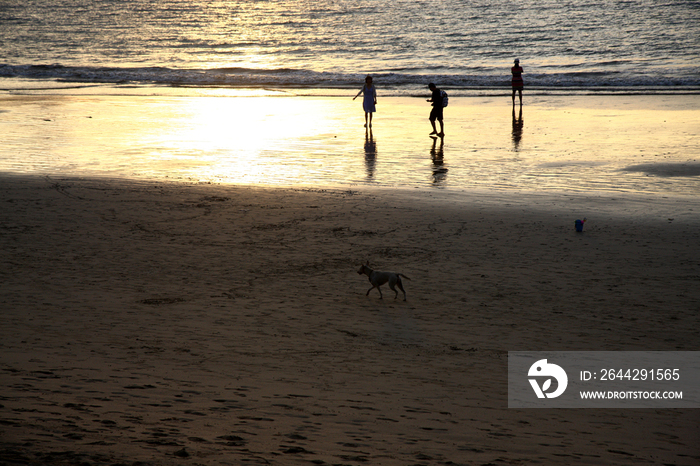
(249, 139)
(557, 144)
(244, 125)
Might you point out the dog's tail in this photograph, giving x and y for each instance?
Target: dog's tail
(402, 275)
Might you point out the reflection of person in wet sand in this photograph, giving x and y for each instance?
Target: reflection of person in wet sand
(517, 80)
(370, 100)
(370, 154)
(438, 156)
(517, 128)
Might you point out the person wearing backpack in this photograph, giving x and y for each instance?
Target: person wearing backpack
(439, 100)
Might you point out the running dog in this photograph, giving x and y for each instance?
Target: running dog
(377, 279)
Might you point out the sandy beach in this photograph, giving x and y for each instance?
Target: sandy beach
(188, 190)
(146, 322)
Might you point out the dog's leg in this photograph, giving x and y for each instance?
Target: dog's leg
(397, 281)
(378, 289)
(401, 288)
(391, 285)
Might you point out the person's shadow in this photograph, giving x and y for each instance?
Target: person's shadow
(370, 154)
(437, 154)
(517, 129)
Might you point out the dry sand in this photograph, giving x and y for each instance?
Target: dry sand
(151, 323)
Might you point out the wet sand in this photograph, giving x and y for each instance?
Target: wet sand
(559, 144)
(145, 322)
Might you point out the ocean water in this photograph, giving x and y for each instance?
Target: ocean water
(182, 90)
(318, 47)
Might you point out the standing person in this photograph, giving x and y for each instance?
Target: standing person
(517, 81)
(370, 100)
(436, 112)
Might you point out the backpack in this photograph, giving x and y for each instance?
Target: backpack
(445, 99)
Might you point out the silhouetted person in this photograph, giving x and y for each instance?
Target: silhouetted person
(370, 100)
(517, 80)
(436, 112)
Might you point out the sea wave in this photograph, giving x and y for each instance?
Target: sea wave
(400, 81)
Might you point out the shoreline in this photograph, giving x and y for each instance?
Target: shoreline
(157, 322)
(29, 87)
